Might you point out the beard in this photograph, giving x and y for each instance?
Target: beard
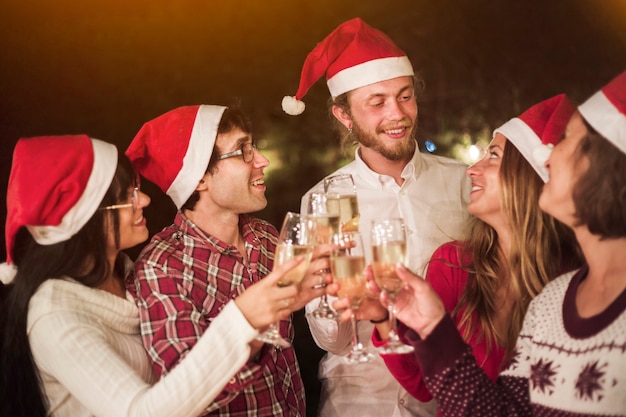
(401, 149)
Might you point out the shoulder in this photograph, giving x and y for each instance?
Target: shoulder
(260, 225)
(442, 162)
(446, 267)
(557, 287)
(451, 252)
(167, 243)
(551, 298)
(64, 296)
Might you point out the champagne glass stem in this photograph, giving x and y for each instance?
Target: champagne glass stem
(393, 322)
(272, 336)
(355, 335)
(394, 345)
(358, 354)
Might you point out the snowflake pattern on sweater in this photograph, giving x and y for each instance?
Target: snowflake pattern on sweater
(564, 365)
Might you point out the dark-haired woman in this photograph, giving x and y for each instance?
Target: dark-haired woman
(70, 342)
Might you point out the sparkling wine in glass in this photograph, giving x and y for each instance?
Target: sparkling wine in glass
(347, 261)
(341, 196)
(388, 249)
(294, 240)
(324, 222)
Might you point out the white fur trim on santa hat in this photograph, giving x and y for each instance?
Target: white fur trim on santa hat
(104, 166)
(292, 106)
(606, 119)
(526, 141)
(196, 159)
(369, 72)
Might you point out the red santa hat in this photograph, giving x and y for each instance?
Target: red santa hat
(173, 150)
(56, 185)
(352, 56)
(538, 129)
(605, 111)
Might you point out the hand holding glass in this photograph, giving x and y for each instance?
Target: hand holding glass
(388, 249)
(293, 241)
(347, 261)
(324, 222)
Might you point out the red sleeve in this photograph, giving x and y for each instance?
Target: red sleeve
(446, 280)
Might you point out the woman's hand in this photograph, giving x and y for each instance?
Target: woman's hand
(417, 304)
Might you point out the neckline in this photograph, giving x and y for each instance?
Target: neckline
(584, 327)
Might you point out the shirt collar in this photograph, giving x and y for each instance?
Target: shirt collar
(381, 181)
(247, 226)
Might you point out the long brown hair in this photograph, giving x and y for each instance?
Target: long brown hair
(541, 249)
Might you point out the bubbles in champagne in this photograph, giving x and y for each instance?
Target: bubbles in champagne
(348, 208)
(285, 252)
(385, 258)
(322, 227)
(348, 272)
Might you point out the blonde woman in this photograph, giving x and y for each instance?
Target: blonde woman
(513, 249)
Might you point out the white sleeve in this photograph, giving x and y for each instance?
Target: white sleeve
(81, 358)
(329, 335)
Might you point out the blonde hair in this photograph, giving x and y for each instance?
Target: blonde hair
(541, 249)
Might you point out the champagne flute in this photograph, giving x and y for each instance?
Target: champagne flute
(347, 261)
(293, 241)
(324, 222)
(389, 248)
(341, 196)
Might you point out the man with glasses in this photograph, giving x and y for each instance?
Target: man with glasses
(204, 158)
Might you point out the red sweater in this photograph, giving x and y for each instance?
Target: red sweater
(448, 280)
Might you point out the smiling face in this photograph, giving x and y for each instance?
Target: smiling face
(383, 117)
(237, 186)
(565, 167)
(485, 196)
(132, 227)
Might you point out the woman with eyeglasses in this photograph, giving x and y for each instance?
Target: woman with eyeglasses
(70, 341)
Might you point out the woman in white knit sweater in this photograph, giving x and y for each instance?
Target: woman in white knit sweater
(70, 342)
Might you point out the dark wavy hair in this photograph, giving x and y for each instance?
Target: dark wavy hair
(82, 257)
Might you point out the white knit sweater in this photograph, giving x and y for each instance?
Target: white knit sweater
(87, 346)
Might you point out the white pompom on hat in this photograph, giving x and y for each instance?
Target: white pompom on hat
(605, 111)
(538, 129)
(352, 56)
(56, 185)
(173, 150)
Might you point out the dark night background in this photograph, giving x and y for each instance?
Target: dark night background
(105, 67)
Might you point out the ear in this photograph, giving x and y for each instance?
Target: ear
(343, 117)
(202, 184)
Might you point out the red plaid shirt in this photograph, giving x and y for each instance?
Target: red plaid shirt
(184, 278)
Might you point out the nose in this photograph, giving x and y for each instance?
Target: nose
(474, 169)
(395, 111)
(260, 161)
(144, 199)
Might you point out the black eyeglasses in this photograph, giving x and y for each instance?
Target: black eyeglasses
(134, 199)
(246, 151)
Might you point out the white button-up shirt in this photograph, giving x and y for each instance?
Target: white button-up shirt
(432, 201)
